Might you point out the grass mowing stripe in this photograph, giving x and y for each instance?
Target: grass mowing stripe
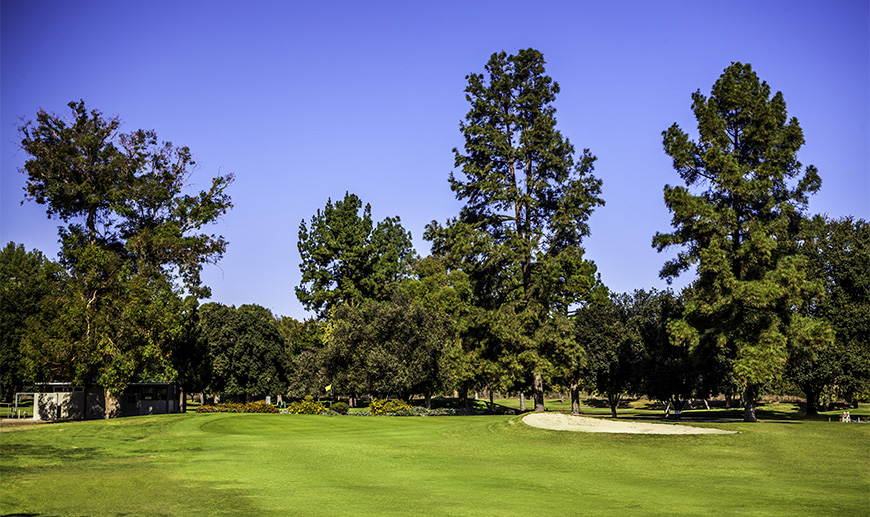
(313, 465)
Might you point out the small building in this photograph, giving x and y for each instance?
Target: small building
(64, 401)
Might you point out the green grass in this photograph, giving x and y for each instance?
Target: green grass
(240, 464)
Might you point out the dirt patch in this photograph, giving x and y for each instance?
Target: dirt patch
(563, 422)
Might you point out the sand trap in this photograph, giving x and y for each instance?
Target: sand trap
(563, 422)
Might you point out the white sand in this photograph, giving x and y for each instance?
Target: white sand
(563, 422)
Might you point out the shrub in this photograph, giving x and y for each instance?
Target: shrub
(380, 407)
(235, 407)
(306, 407)
(341, 408)
(444, 411)
(259, 407)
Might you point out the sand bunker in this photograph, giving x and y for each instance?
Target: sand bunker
(563, 422)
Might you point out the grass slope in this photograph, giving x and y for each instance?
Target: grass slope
(234, 464)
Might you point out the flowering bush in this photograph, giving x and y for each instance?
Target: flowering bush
(235, 407)
(306, 407)
(259, 407)
(381, 407)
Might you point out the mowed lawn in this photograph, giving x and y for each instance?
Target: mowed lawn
(248, 464)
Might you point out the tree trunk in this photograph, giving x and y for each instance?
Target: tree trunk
(750, 395)
(678, 407)
(201, 398)
(428, 398)
(749, 412)
(613, 400)
(491, 402)
(575, 398)
(462, 399)
(706, 404)
(522, 401)
(182, 400)
(113, 404)
(539, 392)
(812, 401)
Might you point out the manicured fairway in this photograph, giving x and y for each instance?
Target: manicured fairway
(246, 464)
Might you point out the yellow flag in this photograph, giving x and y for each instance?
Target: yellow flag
(329, 387)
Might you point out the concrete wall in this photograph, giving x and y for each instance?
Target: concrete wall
(59, 406)
(96, 403)
(90, 404)
(152, 407)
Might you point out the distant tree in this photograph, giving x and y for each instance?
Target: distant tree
(385, 348)
(749, 194)
(245, 348)
(304, 342)
(838, 254)
(613, 355)
(190, 359)
(26, 279)
(527, 203)
(671, 372)
(345, 258)
(133, 246)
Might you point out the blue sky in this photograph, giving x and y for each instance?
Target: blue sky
(304, 101)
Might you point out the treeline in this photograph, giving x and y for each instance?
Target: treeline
(505, 302)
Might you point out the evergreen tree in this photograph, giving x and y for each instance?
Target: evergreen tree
(741, 208)
(527, 202)
(346, 259)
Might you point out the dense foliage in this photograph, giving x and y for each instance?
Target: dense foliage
(742, 206)
(133, 246)
(28, 281)
(235, 407)
(506, 302)
(244, 348)
(838, 256)
(527, 203)
(346, 259)
(383, 348)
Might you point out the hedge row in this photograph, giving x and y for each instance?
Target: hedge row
(236, 407)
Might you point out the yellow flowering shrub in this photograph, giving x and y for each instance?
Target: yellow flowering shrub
(379, 407)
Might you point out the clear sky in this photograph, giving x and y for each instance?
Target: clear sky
(303, 101)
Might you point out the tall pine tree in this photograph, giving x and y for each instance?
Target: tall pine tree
(527, 203)
(741, 208)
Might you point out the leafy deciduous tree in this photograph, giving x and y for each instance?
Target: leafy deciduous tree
(245, 349)
(26, 278)
(609, 333)
(838, 254)
(383, 348)
(133, 246)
